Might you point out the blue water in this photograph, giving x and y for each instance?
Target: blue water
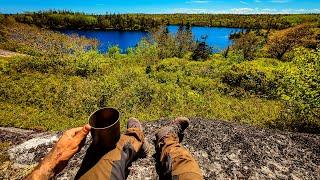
(217, 37)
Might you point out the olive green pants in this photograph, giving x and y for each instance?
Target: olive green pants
(174, 161)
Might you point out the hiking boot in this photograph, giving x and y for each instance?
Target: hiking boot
(135, 123)
(176, 126)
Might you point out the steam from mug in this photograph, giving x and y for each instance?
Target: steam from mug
(105, 129)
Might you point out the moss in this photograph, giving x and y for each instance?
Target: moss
(3, 151)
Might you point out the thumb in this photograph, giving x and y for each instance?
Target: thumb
(80, 135)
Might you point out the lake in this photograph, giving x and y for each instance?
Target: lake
(217, 37)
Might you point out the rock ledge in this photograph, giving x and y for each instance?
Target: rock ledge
(224, 150)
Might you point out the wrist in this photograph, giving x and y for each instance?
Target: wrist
(45, 169)
(42, 171)
(51, 161)
(48, 165)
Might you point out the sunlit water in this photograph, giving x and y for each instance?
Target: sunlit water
(216, 37)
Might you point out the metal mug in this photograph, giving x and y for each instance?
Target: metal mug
(105, 129)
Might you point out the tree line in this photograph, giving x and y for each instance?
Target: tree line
(76, 20)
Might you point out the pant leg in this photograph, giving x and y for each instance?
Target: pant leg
(114, 164)
(176, 162)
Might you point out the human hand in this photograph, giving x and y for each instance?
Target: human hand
(68, 145)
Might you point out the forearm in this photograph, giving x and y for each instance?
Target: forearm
(45, 170)
(41, 172)
(57, 159)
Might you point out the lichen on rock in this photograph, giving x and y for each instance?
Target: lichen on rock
(224, 151)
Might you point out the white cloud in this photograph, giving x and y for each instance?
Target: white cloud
(189, 10)
(279, 1)
(241, 11)
(243, 2)
(198, 2)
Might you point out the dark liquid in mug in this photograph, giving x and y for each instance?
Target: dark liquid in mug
(104, 118)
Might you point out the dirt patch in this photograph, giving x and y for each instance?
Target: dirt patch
(224, 151)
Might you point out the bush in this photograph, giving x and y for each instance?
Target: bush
(281, 42)
(1, 18)
(202, 52)
(114, 52)
(177, 45)
(248, 44)
(58, 98)
(165, 43)
(38, 42)
(257, 77)
(301, 92)
(28, 64)
(145, 53)
(88, 63)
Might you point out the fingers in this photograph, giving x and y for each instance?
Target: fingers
(73, 132)
(82, 133)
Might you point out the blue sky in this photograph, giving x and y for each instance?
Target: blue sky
(164, 6)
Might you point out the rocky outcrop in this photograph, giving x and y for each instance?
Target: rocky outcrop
(224, 151)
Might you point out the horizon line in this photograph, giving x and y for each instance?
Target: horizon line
(137, 13)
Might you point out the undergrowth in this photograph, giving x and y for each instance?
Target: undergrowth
(59, 91)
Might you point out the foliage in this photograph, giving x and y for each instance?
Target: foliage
(177, 45)
(145, 53)
(184, 40)
(55, 87)
(2, 18)
(258, 77)
(114, 52)
(279, 43)
(201, 52)
(51, 100)
(301, 91)
(295, 83)
(33, 41)
(165, 43)
(69, 20)
(248, 44)
(8, 20)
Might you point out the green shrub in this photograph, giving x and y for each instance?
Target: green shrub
(177, 45)
(1, 18)
(114, 52)
(201, 52)
(282, 42)
(34, 41)
(258, 77)
(296, 83)
(248, 44)
(82, 64)
(88, 63)
(301, 91)
(144, 53)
